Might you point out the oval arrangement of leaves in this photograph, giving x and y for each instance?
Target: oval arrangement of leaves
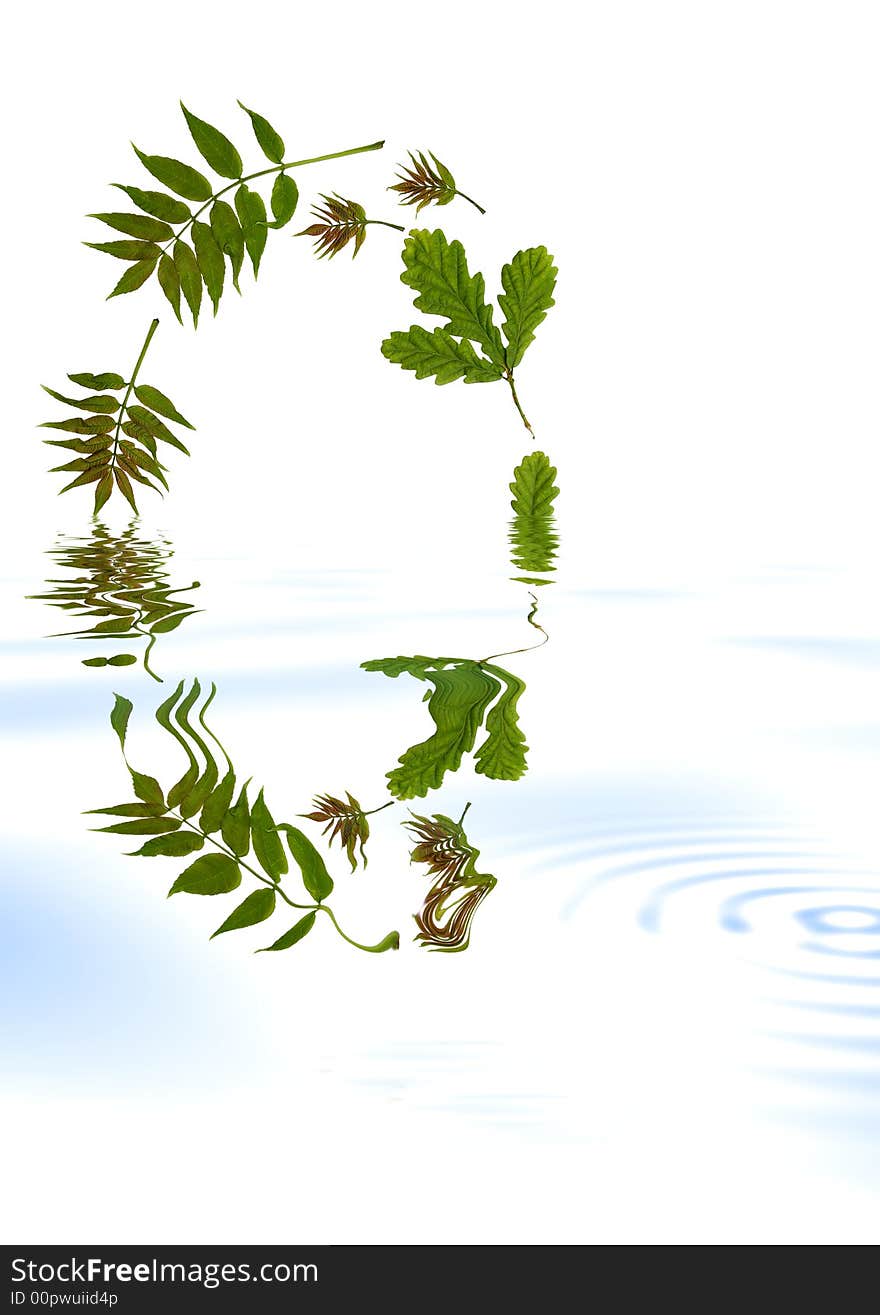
(191, 239)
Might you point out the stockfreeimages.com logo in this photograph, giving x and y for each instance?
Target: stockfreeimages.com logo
(97, 1271)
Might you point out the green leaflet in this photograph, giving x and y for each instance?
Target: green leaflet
(502, 755)
(438, 272)
(267, 846)
(532, 530)
(296, 933)
(528, 282)
(236, 826)
(212, 874)
(134, 277)
(158, 204)
(156, 401)
(104, 403)
(268, 139)
(143, 826)
(149, 790)
(119, 717)
(251, 210)
(155, 428)
(127, 249)
(214, 147)
(230, 238)
(177, 844)
(463, 691)
(98, 381)
(142, 226)
(169, 282)
(210, 261)
(217, 804)
(439, 354)
(285, 195)
(190, 278)
(257, 907)
(176, 176)
(316, 878)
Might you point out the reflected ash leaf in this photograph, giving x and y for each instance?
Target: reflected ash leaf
(122, 586)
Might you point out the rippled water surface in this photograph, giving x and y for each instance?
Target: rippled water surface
(674, 984)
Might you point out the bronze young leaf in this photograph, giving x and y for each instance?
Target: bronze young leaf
(458, 890)
(339, 222)
(423, 183)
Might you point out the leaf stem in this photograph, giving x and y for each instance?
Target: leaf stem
(274, 169)
(131, 383)
(464, 196)
(509, 377)
(370, 811)
(370, 949)
(385, 224)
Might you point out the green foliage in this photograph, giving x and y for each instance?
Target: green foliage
(437, 270)
(532, 530)
(422, 183)
(187, 245)
(463, 691)
(114, 446)
(168, 818)
(120, 582)
(457, 891)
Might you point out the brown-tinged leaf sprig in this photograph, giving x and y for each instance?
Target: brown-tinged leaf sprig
(340, 222)
(421, 184)
(348, 821)
(445, 919)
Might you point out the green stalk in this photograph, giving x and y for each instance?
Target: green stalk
(509, 377)
(273, 169)
(131, 383)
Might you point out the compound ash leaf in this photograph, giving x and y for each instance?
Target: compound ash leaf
(296, 933)
(440, 355)
(257, 907)
(315, 877)
(437, 270)
(214, 146)
(158, 204)
(156, 401)
(212, 874)
(176, 176)
(270, 143)
(528, 281)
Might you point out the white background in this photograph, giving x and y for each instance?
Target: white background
(705, 175)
